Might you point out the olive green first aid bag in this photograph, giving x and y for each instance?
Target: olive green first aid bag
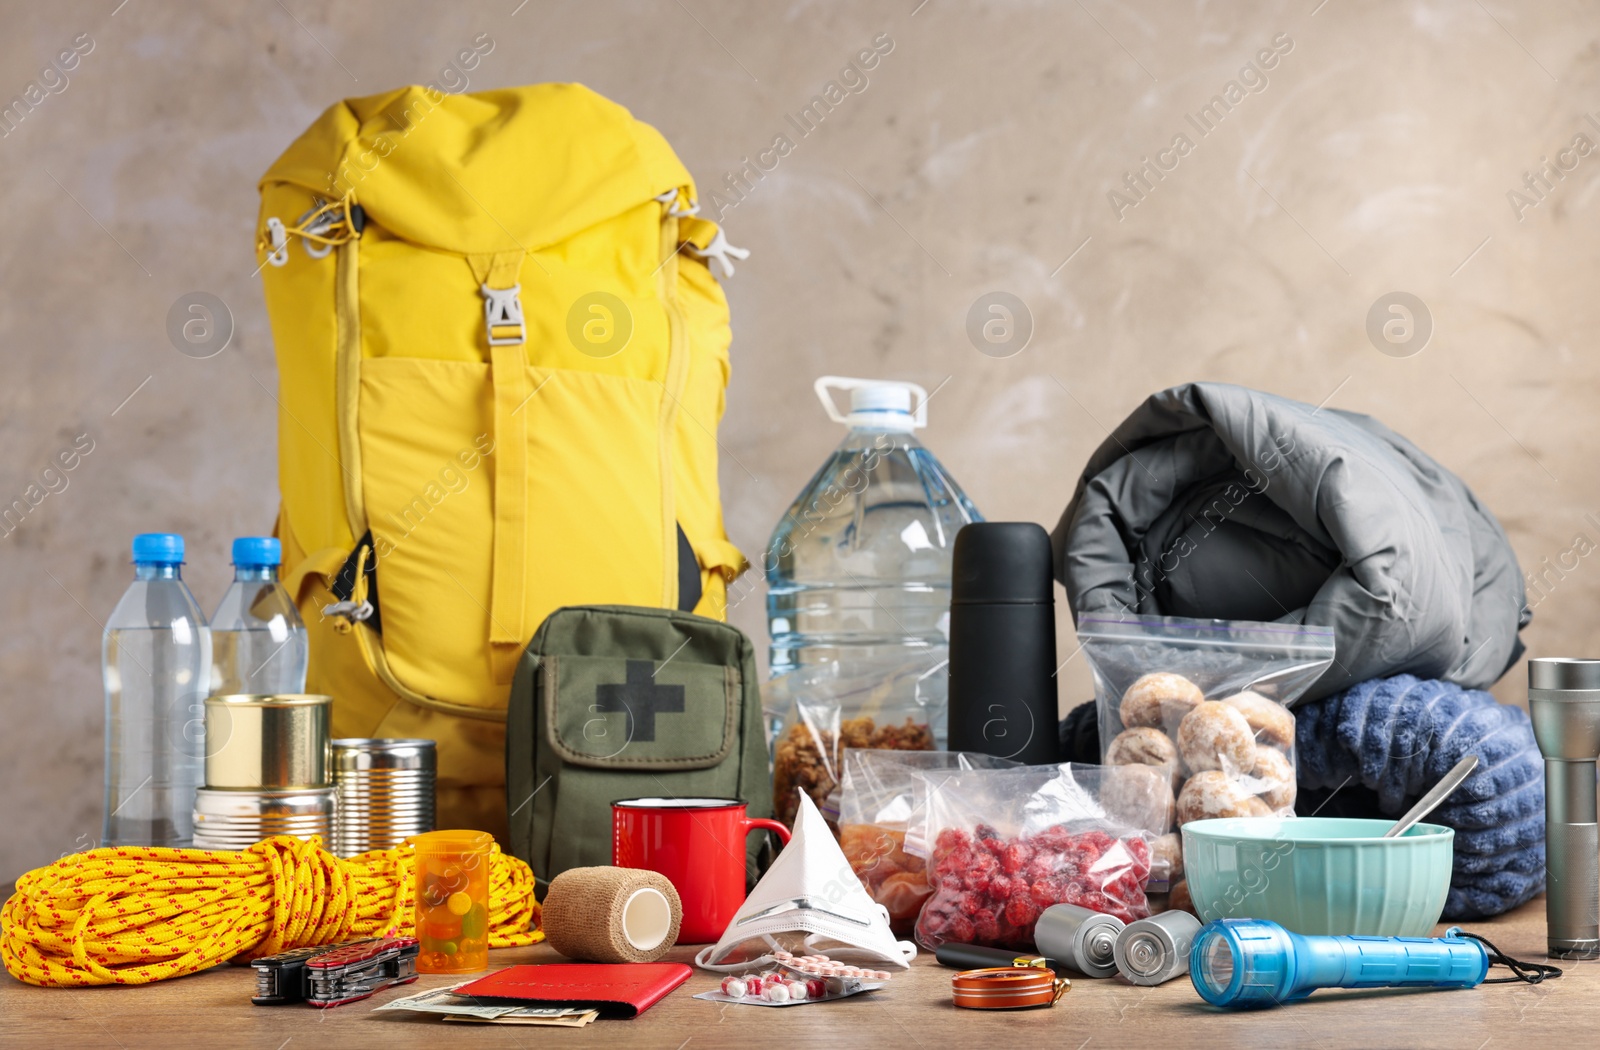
(612, 702)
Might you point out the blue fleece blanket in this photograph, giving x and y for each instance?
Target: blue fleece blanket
(1397, 736)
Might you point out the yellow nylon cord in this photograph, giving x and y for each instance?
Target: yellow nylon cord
(132, 915)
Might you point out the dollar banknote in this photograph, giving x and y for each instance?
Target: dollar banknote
(446, 1001)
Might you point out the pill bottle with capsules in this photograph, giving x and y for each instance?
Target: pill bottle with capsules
(452, 895)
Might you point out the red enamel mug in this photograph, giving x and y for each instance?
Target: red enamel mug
(698, 844)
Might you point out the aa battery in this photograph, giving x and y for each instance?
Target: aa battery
(1155, 950)
(1079, 938)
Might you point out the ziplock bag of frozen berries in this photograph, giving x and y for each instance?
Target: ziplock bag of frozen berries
(891, 705)
(1206, 700)
(881, 795)
(1004, 844)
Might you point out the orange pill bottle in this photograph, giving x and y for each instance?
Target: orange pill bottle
(452, 888)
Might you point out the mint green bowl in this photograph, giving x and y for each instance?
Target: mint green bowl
(1319, 874)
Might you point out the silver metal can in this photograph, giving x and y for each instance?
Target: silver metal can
(232, 819)
(385, 789)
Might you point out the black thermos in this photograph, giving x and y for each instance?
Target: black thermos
(1003, 643)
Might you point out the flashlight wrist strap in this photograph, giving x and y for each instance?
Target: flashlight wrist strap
(1529, 972)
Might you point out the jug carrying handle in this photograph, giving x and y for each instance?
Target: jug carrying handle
(825, 384)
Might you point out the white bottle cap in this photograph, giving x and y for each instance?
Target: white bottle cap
(880, 397)
(880, 403)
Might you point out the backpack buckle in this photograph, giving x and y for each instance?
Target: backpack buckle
(502, 315)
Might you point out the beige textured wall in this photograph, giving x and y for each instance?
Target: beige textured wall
(1376, 157)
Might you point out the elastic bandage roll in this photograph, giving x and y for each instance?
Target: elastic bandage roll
(611, 915)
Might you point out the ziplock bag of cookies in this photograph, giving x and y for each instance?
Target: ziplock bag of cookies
(1206, 701)
(894, 705)
(881, 795)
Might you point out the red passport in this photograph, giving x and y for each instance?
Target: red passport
(616, 989)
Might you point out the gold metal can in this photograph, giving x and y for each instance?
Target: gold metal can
(271, 742)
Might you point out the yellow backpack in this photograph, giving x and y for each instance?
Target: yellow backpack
(502, 358)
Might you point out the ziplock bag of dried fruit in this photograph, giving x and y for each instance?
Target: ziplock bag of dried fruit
(893, 705)
(881, 795)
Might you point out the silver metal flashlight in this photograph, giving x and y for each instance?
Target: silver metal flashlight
(1564, 702)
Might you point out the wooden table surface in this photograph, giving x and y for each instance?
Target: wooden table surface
(912, 1012)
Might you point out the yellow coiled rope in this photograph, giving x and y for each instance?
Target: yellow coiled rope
(129, 915)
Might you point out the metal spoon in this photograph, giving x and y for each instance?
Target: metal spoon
(1437, 794)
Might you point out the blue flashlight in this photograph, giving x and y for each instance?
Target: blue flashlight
(1251, 962)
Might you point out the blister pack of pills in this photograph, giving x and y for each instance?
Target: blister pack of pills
(796, 981)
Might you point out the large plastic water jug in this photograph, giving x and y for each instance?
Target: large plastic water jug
(858, 570)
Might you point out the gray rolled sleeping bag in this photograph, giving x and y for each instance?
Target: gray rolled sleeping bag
(1214, 500)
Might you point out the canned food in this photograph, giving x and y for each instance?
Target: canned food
(234, 819)
(267, 741)
(385, 790)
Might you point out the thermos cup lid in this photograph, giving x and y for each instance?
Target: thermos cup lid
(1001, 562)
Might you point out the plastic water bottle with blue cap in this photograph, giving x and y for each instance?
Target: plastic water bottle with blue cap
(258, 640)
(858, 570)
(156, 661)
